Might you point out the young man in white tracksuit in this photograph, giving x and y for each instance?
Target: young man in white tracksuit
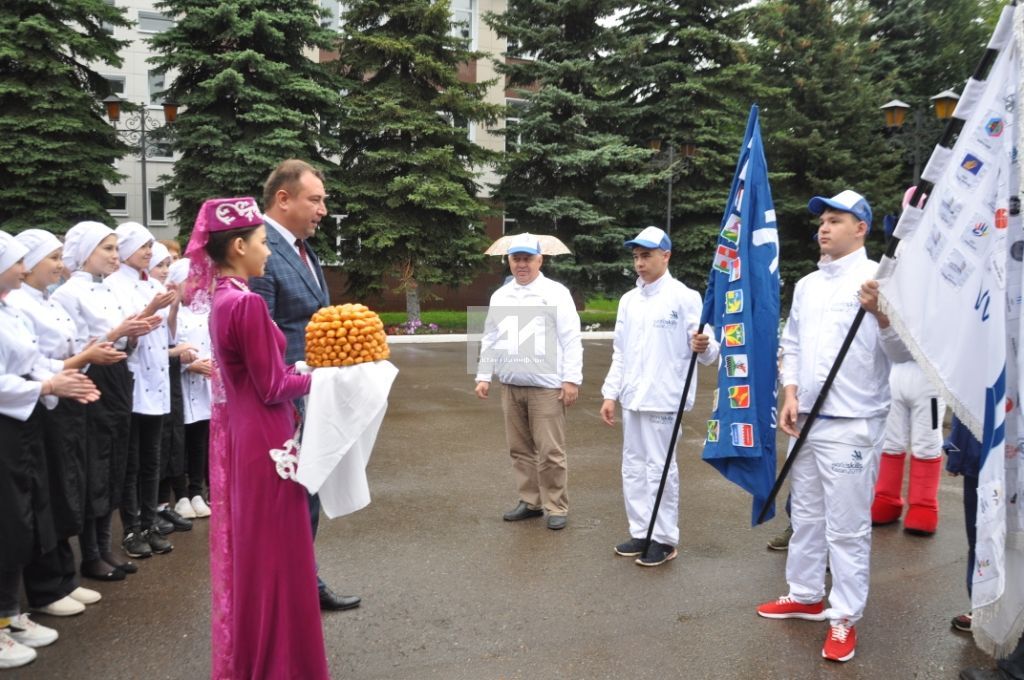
(650, 357)
(833, 476)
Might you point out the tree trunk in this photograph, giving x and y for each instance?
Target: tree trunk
(412, 300)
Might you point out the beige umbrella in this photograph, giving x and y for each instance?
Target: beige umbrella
(549, 245)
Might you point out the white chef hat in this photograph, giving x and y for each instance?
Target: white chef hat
(39, 243)
(10, 251)
(130, 237)
(178, 271)
(80, 241)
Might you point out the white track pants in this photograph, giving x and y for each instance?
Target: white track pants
(832, 482)
(912, 425)
(645, 440)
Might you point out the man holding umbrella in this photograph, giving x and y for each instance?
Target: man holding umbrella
(539, 375)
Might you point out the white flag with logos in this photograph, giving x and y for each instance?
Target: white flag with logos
(954, 295)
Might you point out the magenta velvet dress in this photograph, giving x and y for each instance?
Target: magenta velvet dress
(266, 611)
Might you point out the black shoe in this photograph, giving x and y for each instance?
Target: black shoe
(125, 566)
(984, 674)
(331, 602)
(136, 545)
(631, 548)
(99, 570)
(157, 543)
(522, 511)
(180, 523)
(657, 553)
(557, 522)
(162, 526)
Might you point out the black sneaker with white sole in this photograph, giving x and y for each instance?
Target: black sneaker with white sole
(136, 545)
(658, 553)
(157, 543)
(631, 548)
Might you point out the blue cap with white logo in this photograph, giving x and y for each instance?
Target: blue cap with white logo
(524, 243)
(651, 237)
(847, 201)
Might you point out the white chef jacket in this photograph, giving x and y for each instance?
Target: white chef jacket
(194, 329)
(53, 326)
(149, 361)
(651, 347)
(93, 307)
(825, 303)
(541, 292)
(22, 368)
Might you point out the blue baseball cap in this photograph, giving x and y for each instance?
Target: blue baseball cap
(524, 243)
(847, 201)
(651, 237)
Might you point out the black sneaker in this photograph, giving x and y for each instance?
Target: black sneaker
(157, 543)
(162, 526)
(631, 548)
(658, 553)
(135, 545)
(522, 511)
(171, 515)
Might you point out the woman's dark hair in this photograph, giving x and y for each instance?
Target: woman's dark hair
(217, 245)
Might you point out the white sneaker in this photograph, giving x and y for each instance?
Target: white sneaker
(65, 606)
(31, 634)
(184, 508)
(200, 507)
(12, 653)
(85, 596)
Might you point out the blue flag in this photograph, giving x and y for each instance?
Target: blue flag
(742, 303)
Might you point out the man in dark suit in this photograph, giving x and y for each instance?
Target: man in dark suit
(293, 283)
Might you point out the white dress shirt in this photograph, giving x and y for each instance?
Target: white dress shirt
(651, 347)
(541, 292)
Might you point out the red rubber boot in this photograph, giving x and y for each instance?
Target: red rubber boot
(888, 504)
(923, 496)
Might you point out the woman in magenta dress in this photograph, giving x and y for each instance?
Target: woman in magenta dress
(265, 614)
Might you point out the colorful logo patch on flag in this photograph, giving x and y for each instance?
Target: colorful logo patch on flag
(733, 301)
(742, 434)
(724, 257)
(714, 400)
(735, 270)
(970, 171)
(734, 335)
(713, 430)
(739, 396)
(994, 127)
(731, 230)
(736, 366)
(972, 164)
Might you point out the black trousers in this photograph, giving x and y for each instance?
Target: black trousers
(142, 480)
(51, 576)
(197, 448)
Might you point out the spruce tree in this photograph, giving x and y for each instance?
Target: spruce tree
(574, 172)
(687, 68)
(822, 127)
(56, 150)
(408, 167)
(251, 95)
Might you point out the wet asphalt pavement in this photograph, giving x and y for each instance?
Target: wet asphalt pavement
(452, 592)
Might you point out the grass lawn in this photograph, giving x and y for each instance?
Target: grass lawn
(600, 311)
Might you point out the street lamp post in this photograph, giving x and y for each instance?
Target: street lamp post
(689, 150)
(136, 125)
(895, 111)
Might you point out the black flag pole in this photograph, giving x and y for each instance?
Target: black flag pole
(672, 444)
(952, 129)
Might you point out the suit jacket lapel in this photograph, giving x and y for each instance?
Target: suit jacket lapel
(288, 252)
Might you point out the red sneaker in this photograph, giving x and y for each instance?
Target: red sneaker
(787, 608)
(840, 643)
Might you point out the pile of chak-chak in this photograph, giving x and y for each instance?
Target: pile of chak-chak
(345, 335)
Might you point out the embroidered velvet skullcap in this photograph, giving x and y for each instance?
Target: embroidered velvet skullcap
(216, 214)
(80, 241)
(130, 237)
(10, 251)
(40, 243)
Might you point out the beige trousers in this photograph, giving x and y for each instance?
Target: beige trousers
(535, 431)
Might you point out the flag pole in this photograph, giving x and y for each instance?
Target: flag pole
(953, 127)
(672, 443)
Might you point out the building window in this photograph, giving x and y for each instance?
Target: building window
(156, 88)
(115, 84)
(508, 224)
(330, 14)
(160, 150)
(153, 22)
(118, 205)
(157, 206)
(513, 136)
(463, 20)
(106, 26)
